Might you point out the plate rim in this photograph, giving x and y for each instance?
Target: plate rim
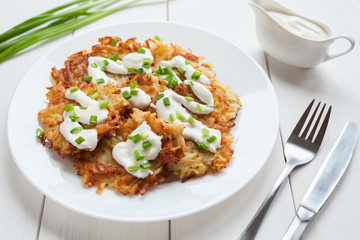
(158, 218)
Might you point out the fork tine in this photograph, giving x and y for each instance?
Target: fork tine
(311, 136)
(310, 122)
(301, 122)
(323, 127)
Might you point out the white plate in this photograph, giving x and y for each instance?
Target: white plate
(255, 133)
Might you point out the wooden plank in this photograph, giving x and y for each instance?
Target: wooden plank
(335, 82)
(61, 223)
(234, 20)
(20, 203)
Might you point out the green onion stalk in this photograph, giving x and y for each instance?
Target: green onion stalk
(62, 22)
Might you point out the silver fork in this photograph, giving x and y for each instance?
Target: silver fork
(299, 150)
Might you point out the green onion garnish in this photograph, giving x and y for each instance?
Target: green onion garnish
(87, 78)
(158, 97)
(100, 80)
(205, 131)
(137, 138)
(141, 50)
(94, 91)
(198, 144)
(205, 145)
(146, 63)
(104, 103)
(69, 107)
(77, 129)
(189, 99)
(211, 139)
(210, 106)
(93, 119)
(191, 83)
(106, 62)
(180, 116)
(187, 62)
(166, 101)
(115, 57)
(118, 62)
(135, 70)
(196, 75)
(39, 133)
(132, 84)
(83, 108)
(199, 108)
(138, 155)
(191, 120)
(74, 89)
(95, 95)
(103, 68)
(134, 92)
(157, 38)
(145, 165)
(183, 71)
(109, 56)
(79, 140)
(172, 117)
(144, 135)
(133, 168)
(146, 144)
(126, 94)
(94, 65)
(114, 42)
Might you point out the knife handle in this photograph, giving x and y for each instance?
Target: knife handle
(298, 224)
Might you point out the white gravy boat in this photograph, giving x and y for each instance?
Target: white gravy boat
(292, 38)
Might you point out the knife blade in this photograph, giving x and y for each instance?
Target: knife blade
(325, 181)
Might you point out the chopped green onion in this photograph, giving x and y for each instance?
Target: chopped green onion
(187, 62)
(196, 75)
(115, 57)
(158, 97)
(135, 70)
(191, 83)
(114, 42)
(106, 62)
(205, 145)
(87, 78)
(183, 71)
(189, 99)
(118, 62)
(126, 94)
(141, 50)
(79, 140)
(134, 92)
(160, 70)
(146, 144)
(210, 106)
(144, 135)
(104, 103)
(205, 131)
(93, 119)
(180, 116)
(191, 120)
(146, 63)
(137, 138)
(76, 117)
(39, 133)
(74, 89)
(172, 117)
(83, 108)
(133, 168)
(94, 91)
(100, 80)
(138, 155)
(94, 65)
(132, 84)
(198, 144)
(109, 56)
(95, 96)
(211, 139)
(69, 107)
(145, 165)
(157, 38)
(103, 68)
(199, 108)
(72, 118)
(77, 129)
(166, 101)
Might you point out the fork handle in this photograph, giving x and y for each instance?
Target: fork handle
(253, 227)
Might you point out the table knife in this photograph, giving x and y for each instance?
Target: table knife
(325, 181)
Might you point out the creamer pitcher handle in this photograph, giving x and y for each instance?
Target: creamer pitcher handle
(331, 56)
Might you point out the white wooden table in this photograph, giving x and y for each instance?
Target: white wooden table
(26, 214)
